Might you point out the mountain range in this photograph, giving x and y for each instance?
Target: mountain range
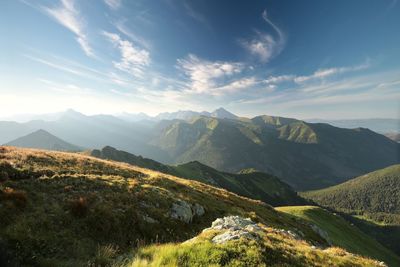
(304, 155)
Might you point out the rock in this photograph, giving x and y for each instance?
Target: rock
(231, 222)
(181, 210)
(184, 211)
(236, 227)
(198, 210)
(148, 219)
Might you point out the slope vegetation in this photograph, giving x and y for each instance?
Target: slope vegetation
(248, 183)
(339, 232)
(375, 195)
(64, 209)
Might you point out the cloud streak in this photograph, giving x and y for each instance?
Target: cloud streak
(68, 16)
(113, 4)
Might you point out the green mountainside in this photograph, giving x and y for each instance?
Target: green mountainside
(43, 140)
(339, 232)
(68, 209)
(304, 155)
(249, 183)
(372, 202)
(375, 195)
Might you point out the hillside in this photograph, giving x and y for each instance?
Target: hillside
(253, 184)
(304, 155)
(64, 209)
(43, 140)
(375, 195)
(340, 232)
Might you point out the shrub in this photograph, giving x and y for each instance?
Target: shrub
(79, 206)
(18, 197)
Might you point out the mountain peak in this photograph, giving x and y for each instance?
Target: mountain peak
(223, 114)
(43, 140)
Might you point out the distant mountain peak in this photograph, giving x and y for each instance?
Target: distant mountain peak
(223, 114)
(43, 140)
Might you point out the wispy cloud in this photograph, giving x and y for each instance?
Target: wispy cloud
(205, 76)
(133, 59)
(113, 4)
(324, 73)
(264, 45)
(68, 15)
(197, 16)
(121, 26)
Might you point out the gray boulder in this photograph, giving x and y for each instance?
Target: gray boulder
(184, 211)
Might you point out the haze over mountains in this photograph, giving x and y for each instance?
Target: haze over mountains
(304, 155)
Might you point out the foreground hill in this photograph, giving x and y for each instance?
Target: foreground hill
(305, 155)
(248, 183)
(43, 140)
(63, 209)
(375, 195)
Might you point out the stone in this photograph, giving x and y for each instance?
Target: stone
(198, 210)
(148, 219)
(181, 210)
(235, 228)
(184, 211)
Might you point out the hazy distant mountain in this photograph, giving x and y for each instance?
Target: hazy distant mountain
(305, 155)
(134, 117)
(90, 132)
(383, 125)
(43, 140)
(180, 115)
(188, 114)
(249, 183)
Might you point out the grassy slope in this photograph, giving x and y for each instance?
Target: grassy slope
(341, 233)
(255, 185)
(375, 195)
(64, 209)
(59, 208)
(273, 248)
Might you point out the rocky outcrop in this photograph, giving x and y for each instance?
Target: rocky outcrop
(236, 227)
(185, 212)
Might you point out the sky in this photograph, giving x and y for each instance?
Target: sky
(304, 59)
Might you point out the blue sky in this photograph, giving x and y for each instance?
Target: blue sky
(305, 59)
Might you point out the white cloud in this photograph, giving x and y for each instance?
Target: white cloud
(67, 15)
(264, 45)
(205, 76)
(323, 73)
(279, 79)
(133, 59)
(113, 4)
